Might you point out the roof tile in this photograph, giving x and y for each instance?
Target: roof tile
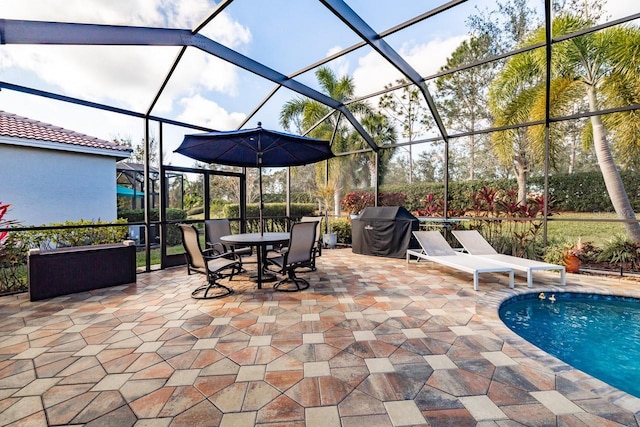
(14, 126)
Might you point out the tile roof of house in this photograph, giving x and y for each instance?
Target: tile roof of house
(14, 126)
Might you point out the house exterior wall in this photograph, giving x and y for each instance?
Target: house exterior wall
(45, 186)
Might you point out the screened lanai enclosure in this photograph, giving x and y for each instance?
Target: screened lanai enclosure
(515, 117)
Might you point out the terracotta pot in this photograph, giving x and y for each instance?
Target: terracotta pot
(572, 263)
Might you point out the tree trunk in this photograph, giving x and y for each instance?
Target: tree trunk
(372, 174)
(521, 179)
(572, 152)
(472, 158)
(336, 202)
(610, 174)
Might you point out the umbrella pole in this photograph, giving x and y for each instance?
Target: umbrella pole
(261, 202)
(259, 162)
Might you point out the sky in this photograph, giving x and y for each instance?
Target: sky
(285, 35)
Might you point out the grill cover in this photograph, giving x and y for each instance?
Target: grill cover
(384, 231)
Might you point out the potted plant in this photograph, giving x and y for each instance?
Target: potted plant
(572, 257)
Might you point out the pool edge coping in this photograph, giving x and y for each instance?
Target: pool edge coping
(487, 310)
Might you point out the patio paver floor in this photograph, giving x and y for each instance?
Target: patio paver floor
(371, 342)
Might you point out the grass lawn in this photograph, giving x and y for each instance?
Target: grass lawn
(155, 255)
(599, 233)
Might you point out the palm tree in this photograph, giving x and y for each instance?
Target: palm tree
(601, 66)
(303, 113)
(517, 96)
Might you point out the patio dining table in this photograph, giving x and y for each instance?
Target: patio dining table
(260, 241)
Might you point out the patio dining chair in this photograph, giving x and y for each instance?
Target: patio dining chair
(299, 254)
(215, 267)
(317, 246)
(216, 228)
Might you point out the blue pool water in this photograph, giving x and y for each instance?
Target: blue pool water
(597, 334)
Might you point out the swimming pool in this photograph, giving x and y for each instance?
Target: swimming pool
(598, 334)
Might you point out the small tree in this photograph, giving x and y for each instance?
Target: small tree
(325, 194)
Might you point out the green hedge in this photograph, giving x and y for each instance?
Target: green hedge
(459, 191)
(295, 196)
(586, 192)
(274, 214)
(232, 210)
(580, 192)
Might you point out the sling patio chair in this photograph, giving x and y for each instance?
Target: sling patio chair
(317, 246)
(216, 228)
(476, 245)
(213, 267)
(436, 249)
(299, 254)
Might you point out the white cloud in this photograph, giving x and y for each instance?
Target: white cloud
(621, 8)
(428, 58)
(126, 76)
(228, 32)
(129, 12)
(340, 66)
(374, 72)
(197, 109)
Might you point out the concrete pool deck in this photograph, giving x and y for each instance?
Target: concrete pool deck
(372, 341)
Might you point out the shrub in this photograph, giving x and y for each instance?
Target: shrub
(391, 199)
(579, 192)
(356, 201)
(554, 252)
(621, 250)
(342, 228)
(13, 276)
(432, 206)
(13, 264)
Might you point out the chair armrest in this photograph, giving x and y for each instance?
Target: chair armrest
(215, 248)
(210, 254)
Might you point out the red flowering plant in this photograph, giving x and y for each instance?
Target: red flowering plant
(432, 206)
(484, 201)
(12, 258)
(356, 201)
(4, 223)
(510, 225)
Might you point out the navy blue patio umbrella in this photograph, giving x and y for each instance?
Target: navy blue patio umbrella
(255, 147)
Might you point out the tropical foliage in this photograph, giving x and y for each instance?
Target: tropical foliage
(601, 67)
(303, 114)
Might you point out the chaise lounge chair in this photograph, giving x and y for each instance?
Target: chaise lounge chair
(436, 249)
(476, 245)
